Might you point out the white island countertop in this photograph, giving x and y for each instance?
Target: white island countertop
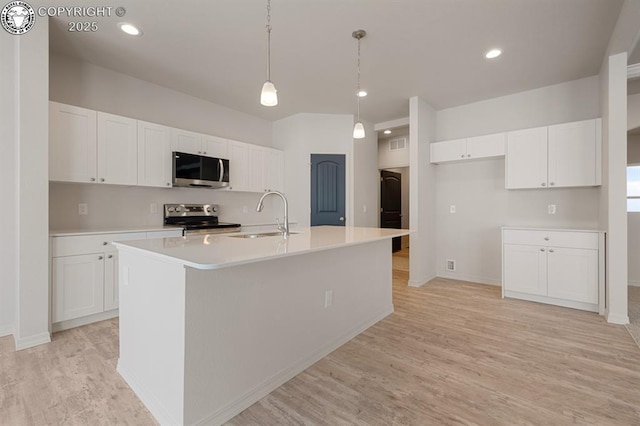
(214, 251)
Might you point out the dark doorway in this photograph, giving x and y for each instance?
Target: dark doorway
(327, 189)
(391, 203)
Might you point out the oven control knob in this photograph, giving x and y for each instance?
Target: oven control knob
(170, 209)
(178, 209)
(214, 209)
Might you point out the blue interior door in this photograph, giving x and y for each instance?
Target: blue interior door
(327, 189)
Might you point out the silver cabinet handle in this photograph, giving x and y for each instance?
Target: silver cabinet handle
(99, 257)
(221, 163)
(199, 152)
(546, 238)
(550, 250)
(204, 152)
(101, 179)
(541, 249)
(110, 256)
(551, 183)
(544, 184)
(105, 243)
(469, 155)
(462, 156)
(168, 184)
(93, 179)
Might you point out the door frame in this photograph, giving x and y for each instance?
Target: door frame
(348, 184)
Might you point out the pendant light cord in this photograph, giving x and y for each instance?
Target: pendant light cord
(269, 40)
(358, 81)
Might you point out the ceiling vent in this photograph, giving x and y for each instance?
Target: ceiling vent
(397, 144)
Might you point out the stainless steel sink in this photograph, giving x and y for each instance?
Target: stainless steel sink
(260, 235)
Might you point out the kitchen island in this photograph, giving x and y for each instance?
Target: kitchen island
(209, 324)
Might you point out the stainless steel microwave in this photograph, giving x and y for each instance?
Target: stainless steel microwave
(191, 170)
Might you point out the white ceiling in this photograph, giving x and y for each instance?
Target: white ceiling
(216, 49)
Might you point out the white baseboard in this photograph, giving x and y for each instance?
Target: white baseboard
(6, 330)
(617, 319)
(77, 322)
(420, 282)
(31, 341)
(254, 395)
(634, 283)
(470, 278)
(147, 398)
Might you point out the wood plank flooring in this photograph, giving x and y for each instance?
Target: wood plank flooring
(452, 353)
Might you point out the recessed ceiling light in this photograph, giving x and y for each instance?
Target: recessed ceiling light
(387, 132)
(130, 29)
(362, 93)
(493, 53)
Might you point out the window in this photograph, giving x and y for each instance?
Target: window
(633, 189)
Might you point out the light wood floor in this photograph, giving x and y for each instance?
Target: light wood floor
(452, 353)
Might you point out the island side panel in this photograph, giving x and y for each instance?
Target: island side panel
(251, 328)
(152, 318)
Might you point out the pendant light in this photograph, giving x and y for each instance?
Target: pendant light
(269, 94)
(358, 128)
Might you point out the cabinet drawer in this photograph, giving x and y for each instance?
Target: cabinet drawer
(569, 239)
(84, 244)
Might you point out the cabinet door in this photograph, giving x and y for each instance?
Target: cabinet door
(274, 170)
(185, 141)
(526, 159)
(572, 154)
(573, 274)
(72, 143)
(213, 146)
(154, 155)
(111, 281)
(486, 146)
(257, 163)
(238, 166)
(117, 149)
(78, 283)
(525, 269)
(448, 150)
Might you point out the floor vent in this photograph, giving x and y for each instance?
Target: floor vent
(451, 265)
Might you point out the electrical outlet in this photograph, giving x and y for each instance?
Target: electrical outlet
(364, 208)
(153, 208)
(328, 298)
(245, 209)
(551, 209)
(83, 209)
(452, 209)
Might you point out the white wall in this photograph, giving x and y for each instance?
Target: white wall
(633, 111)
(633, 219)
(365, 179)
(31, 180)
(86, 85)
(303, 134)
(388, 159)
(471, 236)
(8, 233)
(422, 203)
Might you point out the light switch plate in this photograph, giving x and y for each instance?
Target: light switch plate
(551, 209)
(452, 209)
(83, 209)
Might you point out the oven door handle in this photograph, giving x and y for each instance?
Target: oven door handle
(221, 169)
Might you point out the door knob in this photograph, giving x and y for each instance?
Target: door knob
(341, 219)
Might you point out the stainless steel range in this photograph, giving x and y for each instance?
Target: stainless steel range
(197, 218)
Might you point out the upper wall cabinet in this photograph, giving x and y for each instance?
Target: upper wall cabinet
(72, 143)
(117, 149)
(562, 155)
(255, 168)
(155, 165)
(487, 146)
(198, 143)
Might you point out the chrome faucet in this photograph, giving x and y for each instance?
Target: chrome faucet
(284, 228)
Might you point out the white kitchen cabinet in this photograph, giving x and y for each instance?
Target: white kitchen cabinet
(559, 267)
(257, 168)
(239, 168)
(117, 149)
(84, 275)
(78, 283)
(72, 143)
(199, 144)
(563, 155)
(274, 170)
(487, 146)
(154, 155)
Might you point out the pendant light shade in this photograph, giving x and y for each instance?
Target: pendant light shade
(269, 94)
(358, 128)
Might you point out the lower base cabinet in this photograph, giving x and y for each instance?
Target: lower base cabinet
(84, 275)
(559, 267)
